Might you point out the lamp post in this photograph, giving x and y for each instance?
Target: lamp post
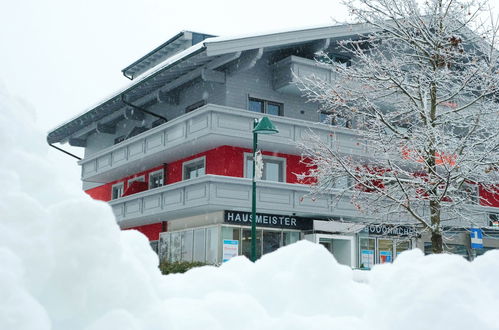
(262, 126)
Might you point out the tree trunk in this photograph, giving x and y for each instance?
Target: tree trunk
(437, 242)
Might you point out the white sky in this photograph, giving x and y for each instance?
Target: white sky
(64, 56)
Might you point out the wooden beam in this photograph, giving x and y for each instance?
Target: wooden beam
(213, 76)
(106, 129)
(132, 114)
(167, 97)
(247, 60)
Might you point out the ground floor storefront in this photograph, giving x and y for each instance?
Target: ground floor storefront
(217, 237)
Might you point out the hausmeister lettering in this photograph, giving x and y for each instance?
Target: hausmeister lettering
(268, 220)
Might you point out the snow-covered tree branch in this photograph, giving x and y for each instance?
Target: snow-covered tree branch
(423, 95)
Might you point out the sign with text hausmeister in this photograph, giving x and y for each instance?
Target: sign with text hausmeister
(268, 220)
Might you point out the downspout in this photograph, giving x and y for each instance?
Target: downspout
(66, 152)
(136, 107)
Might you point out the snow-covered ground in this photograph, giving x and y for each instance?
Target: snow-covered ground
(64, 264)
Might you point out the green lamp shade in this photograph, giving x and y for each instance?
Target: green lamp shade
(265, 126)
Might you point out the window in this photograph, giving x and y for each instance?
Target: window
(194, 168)
(273, 168)
(195, 106)
(156, 179)
(263, 106)
(117, 190)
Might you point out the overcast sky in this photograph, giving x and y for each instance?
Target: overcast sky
(64, 56)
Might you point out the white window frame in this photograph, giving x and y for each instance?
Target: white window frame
(120, 184)
(192, 161)
(248, 172)
(162, 172)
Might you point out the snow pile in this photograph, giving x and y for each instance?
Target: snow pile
(64, 264)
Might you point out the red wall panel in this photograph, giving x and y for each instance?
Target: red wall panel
(489, 198)
(224, 160)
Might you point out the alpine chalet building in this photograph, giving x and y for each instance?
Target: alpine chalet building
(171, 153)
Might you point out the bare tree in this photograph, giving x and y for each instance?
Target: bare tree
(423, 93)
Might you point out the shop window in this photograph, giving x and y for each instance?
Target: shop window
(246, 243)
(194, 168)
(290, 237)
(175, 247)
(271, 241)
(187, 240)
(264, 106)
(212, 245)
(156, 179)
(199, 253)
(273, 168)
(117, 190)
(401, 246)
(164, 247)
(366, 249)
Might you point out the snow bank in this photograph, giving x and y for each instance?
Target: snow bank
(64, 264)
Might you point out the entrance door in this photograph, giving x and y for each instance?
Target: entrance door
(327, 243)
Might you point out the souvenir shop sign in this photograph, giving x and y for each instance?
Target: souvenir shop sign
(268, 220)
(391, 230)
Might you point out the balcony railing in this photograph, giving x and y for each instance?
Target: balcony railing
(203, 129)
(212, 192)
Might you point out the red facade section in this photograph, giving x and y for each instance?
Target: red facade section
(490, 196)
(151, 231)
(224, 160)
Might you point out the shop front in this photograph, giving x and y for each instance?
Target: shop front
(379, 243)
(218, 237)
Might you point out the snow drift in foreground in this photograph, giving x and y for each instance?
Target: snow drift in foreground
(64, 264)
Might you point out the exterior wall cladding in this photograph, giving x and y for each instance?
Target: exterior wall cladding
(205, 97)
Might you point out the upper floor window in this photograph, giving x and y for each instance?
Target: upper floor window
(194, 168)
(117, 190)
(156, 179)
(264, 106)
(273, 168)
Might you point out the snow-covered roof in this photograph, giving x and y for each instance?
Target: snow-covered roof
(149, 76)
(171, 47)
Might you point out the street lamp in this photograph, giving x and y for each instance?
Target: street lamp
(262, 126)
